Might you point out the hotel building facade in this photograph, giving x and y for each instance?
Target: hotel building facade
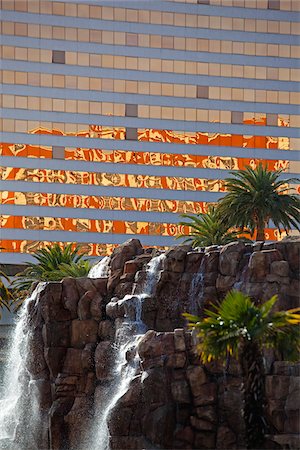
(117, 117)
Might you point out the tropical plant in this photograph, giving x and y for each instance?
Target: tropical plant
(53, 264)
(237, 327)
(209, 229)
(256, 196)
(6, 295)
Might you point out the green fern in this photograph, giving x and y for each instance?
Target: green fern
(53, 264)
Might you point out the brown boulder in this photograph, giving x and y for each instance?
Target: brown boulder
(291, 251)
(193, 261)
(100, 285)
(280, 268)
(156, 344)
(224, 283)
(125, 252)
(104, 360)
(197, 377)
(106, 330)
(83, 332)
(73, 363)
(179, 340)
(205, 440)
(54, 357)
(201, 424)
(56, 334)
(211, 261)
(77, 421)
(35, 360)
(114, 280)
(70, 296)
(175, 258)
(51, 304)
(58, 433)
(84, 305)
(158, 425)
(96, 306)
(258, 266)
(225, 438)
(230, 256)
(84, 284)
(180, 391)
(207, 394)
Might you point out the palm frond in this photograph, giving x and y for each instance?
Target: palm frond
(238, 319)
(255, 196)
(209, 229)
(53, 263)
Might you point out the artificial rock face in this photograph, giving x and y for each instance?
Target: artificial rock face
(172, 401)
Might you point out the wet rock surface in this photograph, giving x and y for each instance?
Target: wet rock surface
(173, 402)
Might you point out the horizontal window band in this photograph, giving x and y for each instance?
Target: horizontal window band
(177, 7)
(104, 245)
(97, 207)
(91, 237)
(82, 38)
(155, 76)
(146, 111)
(144, 146)
(103, 179)
(200, 30)
(187, 99)
(80, 189)
(85, 225)
(175, 131)
(84, 157)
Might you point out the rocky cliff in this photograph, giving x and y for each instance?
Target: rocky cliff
(172, 401)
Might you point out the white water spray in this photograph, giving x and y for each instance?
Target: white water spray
(101, 269)
(127, 338)
(14, 387)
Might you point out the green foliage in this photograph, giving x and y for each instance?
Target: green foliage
(242, 329)
(209, 229)
(6, 295)
(256, 196)
(238, 319)
(53, 264)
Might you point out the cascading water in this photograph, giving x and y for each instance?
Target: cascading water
(101, 269)
(125, 368)
(196, 291)
(14, 393)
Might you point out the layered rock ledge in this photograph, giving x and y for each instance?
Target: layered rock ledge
(173, 401)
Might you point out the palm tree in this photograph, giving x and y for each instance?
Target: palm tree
(239, 328)
(53, 264)
(209, 229)
(256, 196)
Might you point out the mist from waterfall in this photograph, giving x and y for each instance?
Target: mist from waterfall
(125, 368)
(101, 269)
(14, 394)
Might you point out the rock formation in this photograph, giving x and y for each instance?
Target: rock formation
(172, 401)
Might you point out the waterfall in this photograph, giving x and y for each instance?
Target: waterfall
(195, 295)
(101, 269)
(127, 360)
(13, 398)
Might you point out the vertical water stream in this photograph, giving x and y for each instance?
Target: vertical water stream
(196, 291)
(14, 392)
(127, 338)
